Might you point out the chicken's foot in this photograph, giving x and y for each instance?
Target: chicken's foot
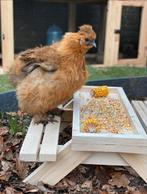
(48, 117)
(53, 113)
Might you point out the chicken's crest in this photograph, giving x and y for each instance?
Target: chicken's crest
(87, 31)
(80, 41)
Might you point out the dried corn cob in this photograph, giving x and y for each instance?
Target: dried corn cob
(90, 124)
(100, 91)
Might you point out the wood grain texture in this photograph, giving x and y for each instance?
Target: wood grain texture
(52, 172)
(140, 112)
(31, 145)
(111, 55)
(136, 142)
(101, 158)
(7, 33)
(48, 150)
(113, 22)
(138, 162)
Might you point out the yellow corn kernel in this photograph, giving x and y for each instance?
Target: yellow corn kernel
(89, 122)
(100, 91)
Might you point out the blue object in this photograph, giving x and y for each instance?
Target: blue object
(54, 34)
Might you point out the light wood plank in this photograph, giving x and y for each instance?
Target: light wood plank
(49, 144)
(138, 163)
(130, 112)
(76, 113)
(143, 106)
(109, 148)
(143, 35)
(131, 62)
(107, 139)
(7, 33)
(31, 145)
(112, 39)
(68, 106)
(140, 113)
(52, 172)
(135, 3)
(102, 158)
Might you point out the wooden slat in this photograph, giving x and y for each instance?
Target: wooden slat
(31, 145)
(68, 106)
(145, 102)
(143, 106)
(102, 158)
(138, 162)
(141, 114)
(7, 33)
(107, 139)
(108, 148)
(113, 22)
(143, 34)
(130, 62)
(135, 3)
(52, 172)
(49, 144)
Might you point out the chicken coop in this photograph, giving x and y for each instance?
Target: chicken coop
(120, 25)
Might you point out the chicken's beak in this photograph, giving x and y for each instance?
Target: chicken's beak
(91, 43)
(94, 44)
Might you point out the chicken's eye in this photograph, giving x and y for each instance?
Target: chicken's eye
(87, 40)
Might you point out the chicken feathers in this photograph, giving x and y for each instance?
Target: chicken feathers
(48, 76)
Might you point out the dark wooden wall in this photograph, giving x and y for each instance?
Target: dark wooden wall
(32, 19)
(91, 14)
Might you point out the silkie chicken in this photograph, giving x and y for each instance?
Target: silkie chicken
(48, 76)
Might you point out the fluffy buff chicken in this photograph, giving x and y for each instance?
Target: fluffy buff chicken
(48, 76)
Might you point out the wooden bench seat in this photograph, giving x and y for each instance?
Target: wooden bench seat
(40, 143)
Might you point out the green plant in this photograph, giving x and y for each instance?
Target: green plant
(13, 124)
